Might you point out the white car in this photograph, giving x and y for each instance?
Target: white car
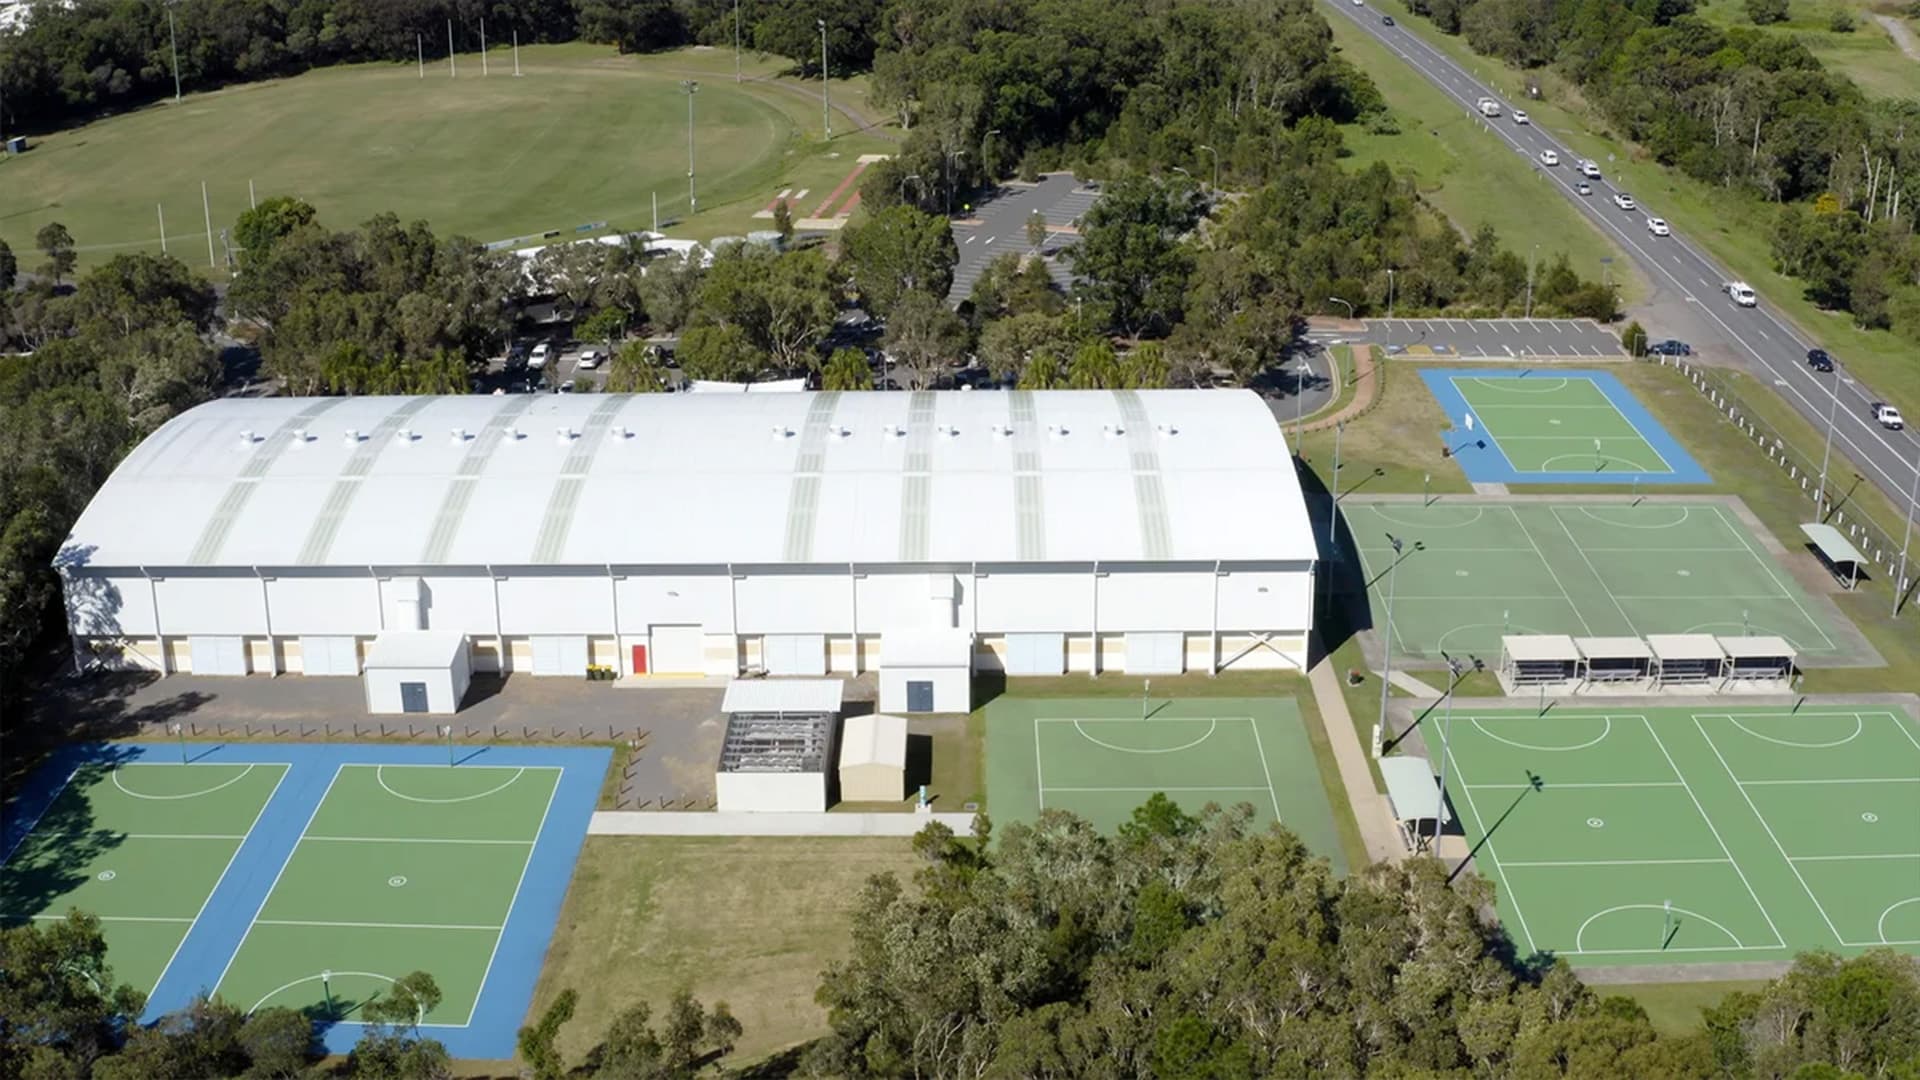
(1742, 294)
(1887, 416)
(1520, 117)
(589, 359)
(1658, 227)
(1589, 170)
(1623, 200)
(1548, 157)
(1583, 188)
(537, 359)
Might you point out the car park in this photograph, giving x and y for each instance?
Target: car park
(1819, 360)
(1520, 117)
(1583, 188)
(1658, 227)
(1670, 347)
(1548, 157)
(1742, 293)
(1887, 416)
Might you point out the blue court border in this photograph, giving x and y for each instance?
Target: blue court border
(214, 938)
(1481, 458)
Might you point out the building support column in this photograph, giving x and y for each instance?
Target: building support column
(1213, 649)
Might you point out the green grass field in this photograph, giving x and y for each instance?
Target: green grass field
(584, 136)
(1867, 55)
(1102, 757)
(1657, 567)
(1708, 833)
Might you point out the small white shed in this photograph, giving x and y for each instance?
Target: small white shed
(926, 671)
(778, 744)
(873, 758)
(417, 671)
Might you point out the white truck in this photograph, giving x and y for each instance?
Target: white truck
(1488, 107)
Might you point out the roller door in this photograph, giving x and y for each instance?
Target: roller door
(677, 650)
(329, 655)
(1156, 653)
(560, 654)
(1036, 654)
(218, 655)
(795, 654)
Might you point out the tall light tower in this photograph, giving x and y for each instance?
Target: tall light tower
(1386, 640)
(736, 40)
(692, 88)
(826, 111)
(173, 40)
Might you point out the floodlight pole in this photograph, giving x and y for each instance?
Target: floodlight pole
(1333, 514)
(1826, 455)
(206, 210)
(447, 730)
(326, 988)
(692, 88)
(516, 53)
(253, 203)
(1446, 741)
(826, 113)
(420, 54)
(736, 40)
(180, 733)
(162, 211)
(1144, 695)
(1900, 581)
(483, 47)
(453, 66)
(1531, 256)
(1389, 292)
(1216, 166)
(173, 41)
(1386, 642)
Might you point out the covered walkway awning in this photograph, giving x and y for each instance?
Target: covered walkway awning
(1836, 549)
(1411, 788)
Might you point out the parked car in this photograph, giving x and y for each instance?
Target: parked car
(567, 387)
(1742, 293)
(1887, 416)
(1670, 347)
(1658, 227)
(1818, 360)
(1548, 157)
(1589, 170)
(537, 359)
(1623, 200)
(590, 359)
(1583, 188)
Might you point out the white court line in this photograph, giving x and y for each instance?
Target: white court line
(1163, 787)
(1901, 724)
(1702, 596)
(1618, 862)
(1778, 941)
(1781, 585)
(1457, 597)
(208, 899)
(1850, 858)
(1040, 782)
(130, 918)
(1499, 868)
(374, 925)
(415, 840)
(1607, 784)
(1557, 583)
(268, 895)
(1668, 549)
(1133, 719)
(1261, 748)
(35, 823)
(1674, 949)
(184, 836)
(1839, 780)
(1711, 745)
(481, 994)
(1595, 571)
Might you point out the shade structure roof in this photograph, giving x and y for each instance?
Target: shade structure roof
(1685, 647)
(1411, 788)
(1832, 543)
(783, 696)
(704, 479)
(1542, 647)
(1767, 646)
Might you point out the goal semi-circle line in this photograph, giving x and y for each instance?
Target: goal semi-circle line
(242, 775)
(1858, 727)
(380, 774)
(1605, 730)
(1880, 926)
(1212, 724)
(1440, 643)
(1685, 513)
(1580, 933)
(1636, 466)
(1500, 384)
(276, 991)
(1478, 513)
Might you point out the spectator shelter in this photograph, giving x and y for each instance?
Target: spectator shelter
(1415, 796)
(1619, 662)
(1758, 659)
(1686, 659)
(778, 741)
(1836, 551)
(1535, 659)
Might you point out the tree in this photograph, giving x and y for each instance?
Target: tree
(278, 1042)
(1037, 230)
(385, 1054)
(671, 290)
(1145, 367)
(1094, 367)
(1010, 285)
(59, 1002)
(1009, 345)
(635, 369)
(1131, 254)
(924, 338)
(1763, 12)
(633, 26)
(536, 1042)
(846, 369)
(1634, 339)
(56, 243)
(9, 267)
(720, 354)
(693, 1037)
(898, 251)
(261, 227)
(783, 220)
(405, 1003)
(606, 325)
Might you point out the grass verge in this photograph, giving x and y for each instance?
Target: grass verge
(1675, 1008)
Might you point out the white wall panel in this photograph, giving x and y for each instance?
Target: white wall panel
(794, 603)
(211, 605)
(1284, 605)
(332, 655)
(323, 604)
(1011, 601)
(903, 601)
(460, 603)
(771, 792)
(539, 603)
(1154, 600)
(104, 605)
(705, 599)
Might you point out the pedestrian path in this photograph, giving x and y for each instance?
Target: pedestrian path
(1379, 834)
(723, 823)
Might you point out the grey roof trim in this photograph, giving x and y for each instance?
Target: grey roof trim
(916, 480)
(565, 501)
(326, 526)
(453, 507)
(214, 536)
(803, 497)
(1149, 489)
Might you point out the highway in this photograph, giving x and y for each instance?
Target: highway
(1774, 351)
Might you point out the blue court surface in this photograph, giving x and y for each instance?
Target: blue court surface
(311, 876)
(1552, 426)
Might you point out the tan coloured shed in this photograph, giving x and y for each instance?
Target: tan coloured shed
(873, 758)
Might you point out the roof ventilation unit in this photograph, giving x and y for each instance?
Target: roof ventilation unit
(782, 431)
(514, 433)
(1112, 431)
(565, 434)
(1056, 431)
(459, 435)
(405, 435)
(893, 431)
(949, 431)
(622, 431)
(352, 436)
(1167, 431)
(842, 433)
(1003, 431)
(300, 437)
(246, 438)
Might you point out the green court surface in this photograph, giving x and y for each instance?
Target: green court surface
(1487, 568)
(1100, 758)
(1558, 425)
(142, 846)
(402, 868)
(1685, 835)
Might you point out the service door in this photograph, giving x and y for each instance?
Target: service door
(329, 655)
(413, 697)
(219, 655)
(919, 695)
(1036, 654)
(678, 650)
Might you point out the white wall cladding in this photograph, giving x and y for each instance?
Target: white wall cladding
(1012, 600)
(317, 602)
(110, 605)
(193, 603)
(545, 602)
(1140, 599)
(794, 603)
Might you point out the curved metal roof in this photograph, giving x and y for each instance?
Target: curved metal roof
(686, 479)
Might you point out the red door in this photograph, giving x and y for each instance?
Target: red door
(639, 659)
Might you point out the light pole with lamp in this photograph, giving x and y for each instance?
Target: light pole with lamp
(1531, 257)
(1454, 668)
(173, 42)
(692, 88)
(736, 40)
(1900, 580)
(1183, 172)
(1337, 300)
(1386, 641)
(1216, 166)
(826, 114)
(951, 154)
(1389, 292)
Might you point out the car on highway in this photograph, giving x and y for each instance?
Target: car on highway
(1583, 188)
(1658, 227)
(1520, 117)
(1386, 20)
(1742, 293)
(1623, 200)
(1548, 157)
(1589, 170)
(1670, 347)
(589, 359)
(1818, 360)
(1887, 416)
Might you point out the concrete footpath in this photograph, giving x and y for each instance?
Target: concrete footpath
(717, 823)
(1378, 831)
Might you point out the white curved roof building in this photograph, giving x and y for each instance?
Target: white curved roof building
(700, 533)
